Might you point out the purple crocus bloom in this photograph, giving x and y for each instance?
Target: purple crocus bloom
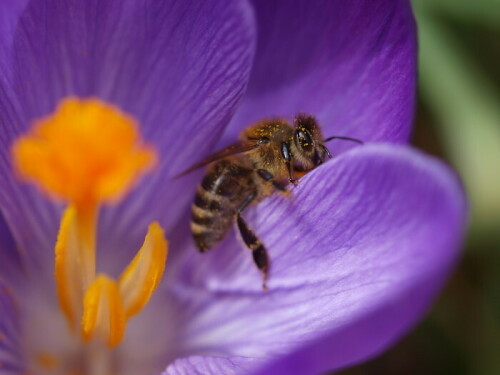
(358, 251)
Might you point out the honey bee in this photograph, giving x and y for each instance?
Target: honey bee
(264, 161)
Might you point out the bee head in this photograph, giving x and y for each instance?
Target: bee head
(307, 146)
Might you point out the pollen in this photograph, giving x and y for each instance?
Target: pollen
(86, 151)
(89, 153)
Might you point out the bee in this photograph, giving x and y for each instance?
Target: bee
(265, 160)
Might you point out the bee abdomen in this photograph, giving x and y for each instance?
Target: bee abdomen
(210, 218)
(223, 189)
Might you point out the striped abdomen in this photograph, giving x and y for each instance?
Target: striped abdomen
(223, 189)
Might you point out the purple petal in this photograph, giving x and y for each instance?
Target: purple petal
(11, 258)
(180, 69)
(208, 365)
(351, 63)
(9, 14)
(358, 253)
(11, 359)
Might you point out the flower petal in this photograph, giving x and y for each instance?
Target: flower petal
(11, 359)
(209, 365)
(351, 63)
(357, 254)
(9, 15)
(10, 256)
(179, 69)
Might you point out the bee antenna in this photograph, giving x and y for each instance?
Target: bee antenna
(343, 138)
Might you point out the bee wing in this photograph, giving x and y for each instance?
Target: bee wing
(235, 148)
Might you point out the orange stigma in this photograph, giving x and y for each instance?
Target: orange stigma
(90, 153)
(86, 151)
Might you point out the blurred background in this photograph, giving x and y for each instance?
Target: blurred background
(458, 119)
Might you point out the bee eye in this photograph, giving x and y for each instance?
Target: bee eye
(304, 139)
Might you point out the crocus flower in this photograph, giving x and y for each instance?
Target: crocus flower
(103, 103)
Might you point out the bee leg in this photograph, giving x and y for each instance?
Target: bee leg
(267, 176)
(286, 154)
(259, 252)
(291, 179)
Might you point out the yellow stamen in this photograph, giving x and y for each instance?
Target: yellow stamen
(67, 268)
(75, 260)
(103, 312)
(89, 153)
(142, 276)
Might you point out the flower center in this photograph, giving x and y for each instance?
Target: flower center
(89, 153)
